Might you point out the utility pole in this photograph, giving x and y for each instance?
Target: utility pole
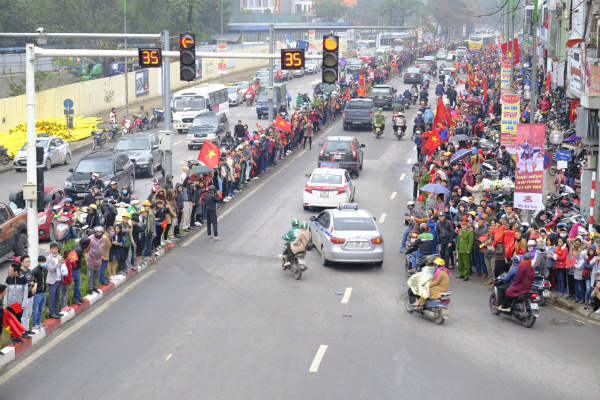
(126, 60)
(271, 51)
(533, 91)
(30, 188)
(167, 104)
(511, 24)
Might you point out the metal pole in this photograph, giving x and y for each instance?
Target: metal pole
(41, 52)
(511, 18)
(533, 91)
(271, 50)
(167, 103)
(32, 203)
(126, 61)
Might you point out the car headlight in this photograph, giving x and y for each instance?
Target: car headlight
(177, 122)
(68, 185)
(143, 160)
(42, 220)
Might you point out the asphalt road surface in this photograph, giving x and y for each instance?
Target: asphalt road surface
(221, 320)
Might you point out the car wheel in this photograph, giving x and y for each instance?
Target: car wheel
(18, 170)
(345, 127)
(360, 166)
(67, 159)
(179, 130)
(324, 262)
(48, 164)
(21, 245)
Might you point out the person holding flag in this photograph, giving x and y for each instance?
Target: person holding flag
(9, 322)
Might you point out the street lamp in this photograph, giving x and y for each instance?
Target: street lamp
(556, 137)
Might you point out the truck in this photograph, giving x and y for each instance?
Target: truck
(13, 230)
(359, 112)
(279, 101)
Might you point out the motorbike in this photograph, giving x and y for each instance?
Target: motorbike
(61, 226)
(407, 103)
(524, 308)
(435, 309)
(113, 132)
(155, 185)
(400, 132)
(249, 99)
(542, 287)
(4, 157)
(377, 131)
(414, 99)
(157, 116)
(130, 125)
(99, 138)
(297, 263)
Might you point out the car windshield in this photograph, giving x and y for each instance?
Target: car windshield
(189, 103)
(360, 104)
(338, 145)
(231, 89)
(206, 122)
(100, 165)
(380, 90)
(329, 179)
(38, 143)
(133, 144)
(354, 224)
(242, 85)
(364, 53)
(262, 74)
(413, 70)
(355, 62)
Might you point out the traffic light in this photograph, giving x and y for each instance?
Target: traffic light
(331, 44)
(40, 188)
(187, 57)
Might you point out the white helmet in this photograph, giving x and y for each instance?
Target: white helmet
(410, 203)
(531, 243)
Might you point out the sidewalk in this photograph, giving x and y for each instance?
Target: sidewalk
(85, 145)
(573, 307)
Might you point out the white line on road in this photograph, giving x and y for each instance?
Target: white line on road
(237, 115)
(393, 196)
(177, 142)
(21, 366)
(169, 356)
(382, 218)
(347, 294)
(409, 161)
(415, 148)
(402, 177)
(314, 367)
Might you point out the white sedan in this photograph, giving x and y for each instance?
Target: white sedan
(328, 186)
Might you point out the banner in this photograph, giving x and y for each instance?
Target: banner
(222, 65)
(529, 178)
(420, 35)
(142, 87)
(511, 113)
(505, 76)
(311, 40)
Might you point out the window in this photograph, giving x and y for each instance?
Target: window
(189, 103)
(327, 179)
(133, 144)
(324, 220)
(122, 160)
(223, 97)
(337, 146)
(354, 224)
(3, 215)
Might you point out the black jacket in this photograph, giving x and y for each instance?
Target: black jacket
(112, 193)
(211, 200)
(239, 131)
(445, 231)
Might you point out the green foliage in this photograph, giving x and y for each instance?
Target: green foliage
(16, 85)
(395, 12)
(330, 10)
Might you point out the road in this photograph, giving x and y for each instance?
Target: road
(221, 320)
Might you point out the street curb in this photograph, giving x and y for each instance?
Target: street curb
(9, 353)
(574, 308)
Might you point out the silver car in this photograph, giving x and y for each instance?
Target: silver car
(235, 95)
(348, 235)
(56, 151)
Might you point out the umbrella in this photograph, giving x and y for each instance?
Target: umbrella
(201, 169)
(460, 138)
(459, 155)
(434, 188)
(473, 101)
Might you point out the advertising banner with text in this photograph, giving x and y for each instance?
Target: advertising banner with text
(529, 177)
(511, 112)
(505, 76)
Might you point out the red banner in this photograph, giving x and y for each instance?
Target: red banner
(529, 178)
(511, 113)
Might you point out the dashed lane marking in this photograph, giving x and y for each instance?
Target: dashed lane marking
(314, 367)
(382, 218)
(393, 196)
(402, 177)
(347, 294)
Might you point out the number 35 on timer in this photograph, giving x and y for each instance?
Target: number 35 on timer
(292, 59)
(150, 57)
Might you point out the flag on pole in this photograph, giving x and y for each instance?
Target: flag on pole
(209, 155)
(485, 89)
(11, 324)
(573, 112)
(164, 224)
(549, 81)
(73, 256)
(283, 124)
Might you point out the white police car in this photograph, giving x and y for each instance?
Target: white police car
(328, 186)
(347, 234)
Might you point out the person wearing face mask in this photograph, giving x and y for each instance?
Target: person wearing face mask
(560, 255)
(125, 196)
(93, 257)
(415, 217)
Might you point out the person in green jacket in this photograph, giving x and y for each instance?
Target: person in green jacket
(464, 245)
(291, 235)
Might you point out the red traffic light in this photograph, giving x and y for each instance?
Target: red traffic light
(187, 41)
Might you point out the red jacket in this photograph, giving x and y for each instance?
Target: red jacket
(68, 279)
(523, 281)
(561, 257)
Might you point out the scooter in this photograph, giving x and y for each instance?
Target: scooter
(524, 308)
(377, 131)
(61, 226)
(113, 132)
(129, 126)
(297, 263)
(542, 287)
(99, 139)
(157, 116)
(414, 99)
(435, 309)
(249, 99)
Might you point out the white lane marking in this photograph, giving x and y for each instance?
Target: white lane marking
(415, 148)
(409, 161)
(382, 218)
(402, 177)
(393, 196)
(169, 356)
(177, 142)
(347, 294)
(237, 115)
(21, 366)
(314, 367)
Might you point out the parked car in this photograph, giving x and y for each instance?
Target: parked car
(382, 95)
(359, 113)
(235, 95)
(413, 75)
(345, 151)
(56, 151)
(13, 228)
(143, 151)
(110, 165)
(311, 67)
(210, 126)
(348, 235)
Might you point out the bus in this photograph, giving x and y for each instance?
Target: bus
(368, 44)
(188, 103)
(479, 41)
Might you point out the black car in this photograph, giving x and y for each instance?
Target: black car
(143, 151)
(345, 151)
(382, 95)
(210, 126)
(110, 165)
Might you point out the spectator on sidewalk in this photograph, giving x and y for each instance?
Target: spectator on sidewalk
(66, 281)
(93, 258)
(39, 297)
(79, 249)
(150, 224)
(106, 253)
(54, 260)
(17, 286)
(211, 199)
(26, 271)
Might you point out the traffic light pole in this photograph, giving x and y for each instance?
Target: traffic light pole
(30, 188)
(271, 51)
(166, 70)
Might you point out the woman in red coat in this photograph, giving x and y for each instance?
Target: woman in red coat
(560, 265)
(521, 284)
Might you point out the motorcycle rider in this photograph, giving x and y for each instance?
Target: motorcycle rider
(418, 283)
(113, 116)
(291, 235)
(93, 219)
(239, 132)
(416, 216)
(540, 261)
(414, 91)
(423, 246)
(299, 243)
(144, 116)
(112, 192)
(399, 123)
(228, 141)
(407, 95)
(424, 96)
(439, 89)
(419, 123)
(399, 103)
(521, 284)
(379, 120)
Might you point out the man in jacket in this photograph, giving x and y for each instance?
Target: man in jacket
(53, 280)
(188, 201)
(476, 190)
(540, 261)
(211, 200)
(478, 232)
(520, 285)
(112, 192)
(39, 275)
(79, 249)
(239, 132)
(445, 235)
(423, 246)
(505, 160)
(464, 246)
(416, 216)
(93, 258)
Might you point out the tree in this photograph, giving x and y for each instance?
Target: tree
(16, 86)
(395, 12)
(330, 10)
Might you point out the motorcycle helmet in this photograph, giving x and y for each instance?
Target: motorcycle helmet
(303, 225)
(423, 227)
(526, 256)
(541, 247)
(430, 259)
(84, 242)
(93, 206)
(146, 203)
(420, 113)
(69, 200)
(401, 114)
(515, 259)
(380, 109)
(295, 222)
(98, 231)
(410, 203)
(531, 243)
(439, 262)
(211, 188)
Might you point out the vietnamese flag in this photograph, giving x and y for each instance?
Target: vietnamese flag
(12, 324)
(282, 124)
(485, 89)
(361, 79)
(441, 114)
(573, 112)
(434, 142)
(209, 155)
(164, 224)
(73, 256)
(548, 81)
(421, 198)
(460, 81)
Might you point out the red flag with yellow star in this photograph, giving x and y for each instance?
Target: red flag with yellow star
(73, 256)
(209, 155)
(12, 324)
(282, 124)
(433, 142)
